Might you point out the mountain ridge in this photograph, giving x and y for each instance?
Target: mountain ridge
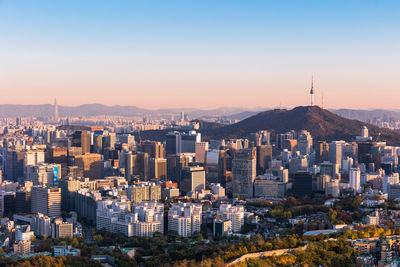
(321, 123)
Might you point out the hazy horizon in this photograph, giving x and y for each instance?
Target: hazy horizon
(202, 54)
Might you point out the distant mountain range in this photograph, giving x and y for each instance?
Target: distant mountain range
(321, 123)
(232, 113)
(47, 110)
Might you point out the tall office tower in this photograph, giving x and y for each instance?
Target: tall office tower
(34, 157)
(211, 165)
(127, 139)
(244, 172)
(328, 168)
(18, 121)
(355, 179)
(129, 160)
(14, 165)
(201, 150)
(143, 165)
(182, 118)
(175, 164)
(158, 168)
(182, 142)
(91, 164)
(302, 183)
(82, 139)
(173, 143)
(47, 201)
(188, 141)
(44, 174)
(154, 149)
(98, 144)
(193, 179)
(365, 153)
(265, 137)
(347, 164)
(7, 203)
(321, 152)
(264, 158)
(335, 152)
(304, 142)
(109, 141)
(282, 137)
(23, 202)
(68, 186)
(55, 110)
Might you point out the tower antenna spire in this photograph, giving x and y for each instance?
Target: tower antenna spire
(312, 90)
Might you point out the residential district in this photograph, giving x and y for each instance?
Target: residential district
(99, 195)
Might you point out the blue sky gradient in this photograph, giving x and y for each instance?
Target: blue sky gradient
(200, 53)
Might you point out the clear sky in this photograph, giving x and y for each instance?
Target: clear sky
(203, 53)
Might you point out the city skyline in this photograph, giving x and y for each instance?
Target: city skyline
(200, 54)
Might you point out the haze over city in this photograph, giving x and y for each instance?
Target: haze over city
(187, 133)
(203, 54)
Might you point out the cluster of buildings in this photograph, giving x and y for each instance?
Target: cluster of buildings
(111, 179)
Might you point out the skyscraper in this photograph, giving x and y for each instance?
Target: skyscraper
(192, 179)
(355, 179)
(82, 139)
(55, 110)
(46, 201)
(244, 172)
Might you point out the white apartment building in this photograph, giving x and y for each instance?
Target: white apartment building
(185, 219)
(233, 213)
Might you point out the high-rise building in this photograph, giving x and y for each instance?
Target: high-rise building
(62, 229)
(264, 158)
(184, 219)
(91, 164)
(144, 191)
(355, 179)
(158, 168)
(302, 183)
(23, 202)
(82, 139)
(193, 179)
(233, 213)
(109, 141)
(332, 188)
(14, 165)
(173, 143)
(175, 164)
(182, 142)
(244, 172)
(154, 149)
(46, 201)
(44, 174)
(55, 110)
(321, 152)
(335, 152)
(304, 142)
(201, 150)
